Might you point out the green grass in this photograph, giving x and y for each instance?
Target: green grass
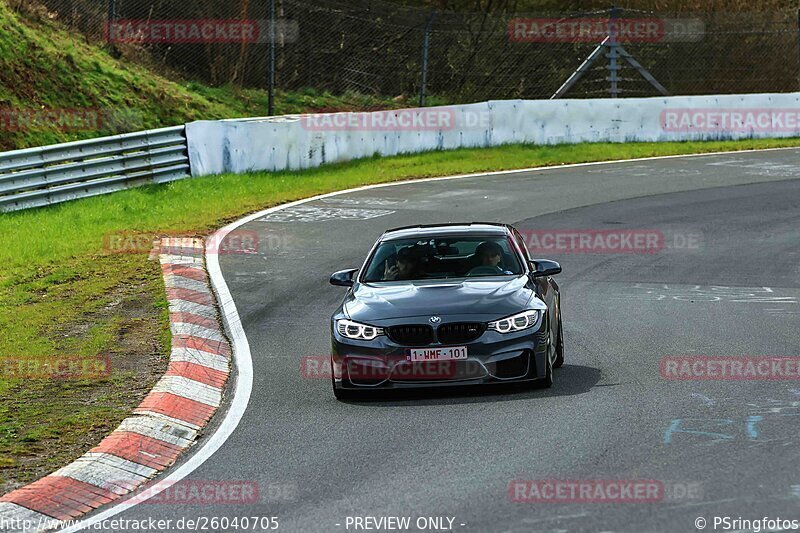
(79, 307)
(64, 293)
(44, 67)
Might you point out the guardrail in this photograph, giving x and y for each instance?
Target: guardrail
(37, 177)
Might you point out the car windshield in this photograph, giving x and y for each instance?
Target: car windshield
(443, 258)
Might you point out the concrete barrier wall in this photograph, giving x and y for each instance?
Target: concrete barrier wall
(295, 142)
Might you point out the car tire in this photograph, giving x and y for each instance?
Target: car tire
(559, 362)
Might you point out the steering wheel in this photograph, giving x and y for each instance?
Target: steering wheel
(485, 271)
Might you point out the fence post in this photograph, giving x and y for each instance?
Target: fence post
(798, 45)
(112, 18)
(426, 41)
(613, 53)
(272, 39)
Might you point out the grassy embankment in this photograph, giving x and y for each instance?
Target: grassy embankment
(51, 77)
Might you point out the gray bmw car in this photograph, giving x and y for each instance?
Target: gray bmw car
(445, 305)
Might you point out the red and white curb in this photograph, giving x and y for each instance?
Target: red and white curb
(166, 423)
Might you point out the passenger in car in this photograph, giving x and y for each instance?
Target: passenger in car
(406, 267)
(490, 254)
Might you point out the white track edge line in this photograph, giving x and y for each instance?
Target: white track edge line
(239, 402)
(241, 347)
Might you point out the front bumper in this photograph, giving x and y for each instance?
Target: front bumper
(492, 358)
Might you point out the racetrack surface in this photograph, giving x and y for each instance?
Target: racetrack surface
(732, 289)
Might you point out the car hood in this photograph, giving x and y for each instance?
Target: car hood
(492, 297)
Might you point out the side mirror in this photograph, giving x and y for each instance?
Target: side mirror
(544, 268)
(344, 278)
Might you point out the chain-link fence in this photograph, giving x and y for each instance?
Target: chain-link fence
(378, 48)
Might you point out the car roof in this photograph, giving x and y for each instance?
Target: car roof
(435, 230)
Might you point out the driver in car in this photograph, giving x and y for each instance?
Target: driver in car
(490, 254)
(407, 267)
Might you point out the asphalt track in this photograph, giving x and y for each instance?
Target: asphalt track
(733, 290)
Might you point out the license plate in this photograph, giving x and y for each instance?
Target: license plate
(437, 354)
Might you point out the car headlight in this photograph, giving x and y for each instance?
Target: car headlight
(512, 324)
(354, 330)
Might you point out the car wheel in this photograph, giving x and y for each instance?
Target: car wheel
(560, 345)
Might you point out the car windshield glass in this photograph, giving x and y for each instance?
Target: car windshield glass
(443, 258)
